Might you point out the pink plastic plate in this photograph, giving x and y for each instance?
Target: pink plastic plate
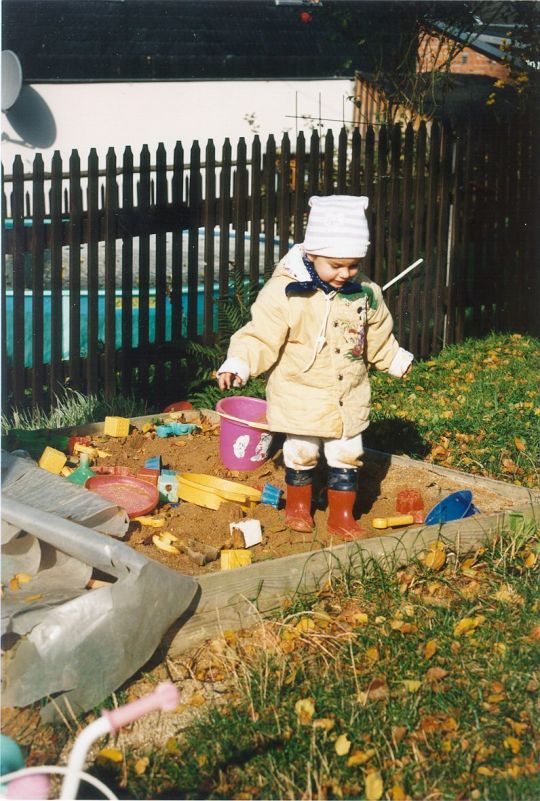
(137, 497)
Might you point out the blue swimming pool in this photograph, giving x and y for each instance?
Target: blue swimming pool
(28, 323)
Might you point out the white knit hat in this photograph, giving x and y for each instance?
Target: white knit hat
(337, 227)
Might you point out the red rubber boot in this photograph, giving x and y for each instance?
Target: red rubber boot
(298, 508)
(341, 522)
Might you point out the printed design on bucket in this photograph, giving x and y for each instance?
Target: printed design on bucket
(240, 446)
(261, 450)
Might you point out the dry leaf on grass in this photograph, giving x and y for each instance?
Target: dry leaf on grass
(342, 745)
(374, 786)
(305, 709)
(430, 648)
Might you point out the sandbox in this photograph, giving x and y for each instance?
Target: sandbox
(287, 562)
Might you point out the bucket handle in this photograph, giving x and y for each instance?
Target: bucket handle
(249, 423)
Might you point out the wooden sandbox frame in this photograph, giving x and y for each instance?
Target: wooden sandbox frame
(235, 599)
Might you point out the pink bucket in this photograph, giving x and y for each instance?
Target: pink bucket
(244, 436)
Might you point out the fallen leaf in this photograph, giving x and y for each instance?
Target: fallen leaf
(507, 595)
(31, 598)
(377, 690)
(305, 709)
(517, 728)
(374, 786)
(305, 624)
(397, 793)
(430, 648)
(372, 654)
(467, 625)
(342, 745)
(412, 685)
(141, 765)
(398, 733)
(324, 723)
(360, 757)
(436, 674)
(531, 560)
(520, 445)
(535, 633)
(483, 770)
(23, 578)
(197, 699)
(435, 557)
(513, 744)
(110, 755)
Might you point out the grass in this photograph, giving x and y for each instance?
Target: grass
(417, 684)
(420, 684)
(475, 407)
(73, 408)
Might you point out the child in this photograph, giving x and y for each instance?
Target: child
(316, 330)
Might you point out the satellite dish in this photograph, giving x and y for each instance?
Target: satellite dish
(11, 78)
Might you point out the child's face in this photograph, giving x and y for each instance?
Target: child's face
(335, 272)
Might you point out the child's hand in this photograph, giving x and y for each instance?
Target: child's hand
(228, 380)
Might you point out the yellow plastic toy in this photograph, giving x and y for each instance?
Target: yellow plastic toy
(52, 460)
(235, 557)
(116, 427)
(390, 522)
(209, 491)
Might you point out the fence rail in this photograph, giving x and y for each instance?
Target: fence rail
(107, 270)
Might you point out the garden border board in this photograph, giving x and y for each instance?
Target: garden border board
(238, 598)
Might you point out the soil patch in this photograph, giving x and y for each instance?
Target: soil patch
(378, 487)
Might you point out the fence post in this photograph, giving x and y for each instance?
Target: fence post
(283, 214)
(256, 216)
(440, 300)
(37, 249)
(177, 239)
(269, 169)
(74, 229)
(356, 148)
(144, 271)
(161, 263)
(18, 337)
(393, 214)
(406, 200)
(209, 225)
(299, 192)
(418, 234)
(56, 370)
(193, 238)
(111, 204)
(369, 170)
(342, 162)
(431, 252)
(328, 169)
(126, 365)
(379, 235)
(240, 196)
(224, 218)
(92, 363)
(314, 164)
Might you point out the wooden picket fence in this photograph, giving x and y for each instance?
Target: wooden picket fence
(108, 272)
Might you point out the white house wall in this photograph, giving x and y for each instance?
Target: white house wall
(49, 117)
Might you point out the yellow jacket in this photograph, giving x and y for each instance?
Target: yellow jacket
(316, 349)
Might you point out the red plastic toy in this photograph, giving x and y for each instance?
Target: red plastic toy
(410, 502)
(178, 406)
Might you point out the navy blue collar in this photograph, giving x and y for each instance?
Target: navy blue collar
(316, 282)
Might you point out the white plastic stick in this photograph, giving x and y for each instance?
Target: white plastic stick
(402, 273)
(98, 728)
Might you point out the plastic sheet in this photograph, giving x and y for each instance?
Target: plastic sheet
(67, 644)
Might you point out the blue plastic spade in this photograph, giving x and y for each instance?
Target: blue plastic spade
(455, 506)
